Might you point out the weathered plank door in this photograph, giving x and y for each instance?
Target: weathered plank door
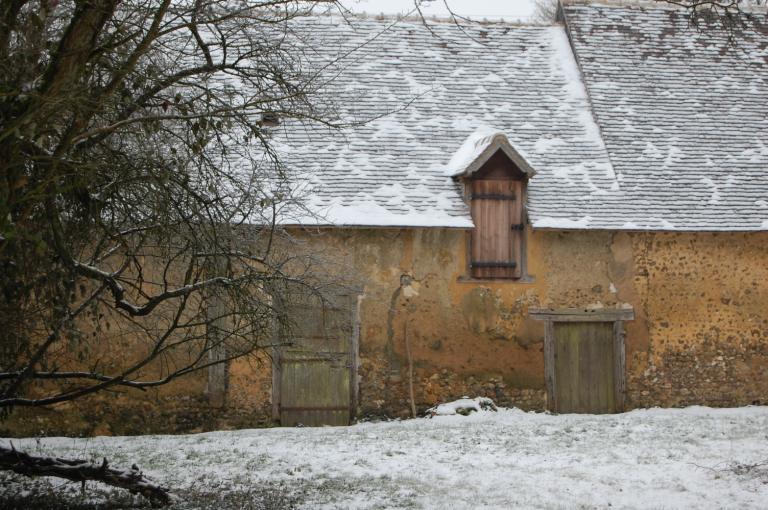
(496, 242)
(584, 367)
(316, 368)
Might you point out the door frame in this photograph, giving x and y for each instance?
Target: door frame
(276, 354)
(616, 316)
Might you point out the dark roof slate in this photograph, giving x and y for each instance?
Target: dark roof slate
(683, 112)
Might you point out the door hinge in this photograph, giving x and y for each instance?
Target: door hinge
(491, 196)
(478, 264)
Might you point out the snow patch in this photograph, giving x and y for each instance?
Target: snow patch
(674, 458)
(463, 406)
(563, 223)
(369, 212)
(544, 145)
(714, 197)
(472, 147)
(565, 62)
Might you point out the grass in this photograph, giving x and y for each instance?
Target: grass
(20, 493)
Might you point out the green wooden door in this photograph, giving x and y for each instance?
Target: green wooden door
(584, 367)
(317, 364)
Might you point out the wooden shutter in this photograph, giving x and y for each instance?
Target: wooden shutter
(497, 238)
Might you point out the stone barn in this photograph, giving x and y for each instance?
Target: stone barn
(570, 218)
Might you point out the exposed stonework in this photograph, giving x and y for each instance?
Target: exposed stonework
(700, 335)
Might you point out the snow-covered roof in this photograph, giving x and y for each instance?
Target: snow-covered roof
(478, 148)
(427, 91)
(670, 137)
(683, 112)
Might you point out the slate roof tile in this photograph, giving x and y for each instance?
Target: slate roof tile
(681, 142)
(683, 112)
(519, 80)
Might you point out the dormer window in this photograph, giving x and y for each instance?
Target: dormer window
(497, 211)
(495, 176)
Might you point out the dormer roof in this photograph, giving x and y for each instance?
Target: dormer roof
(478, 148)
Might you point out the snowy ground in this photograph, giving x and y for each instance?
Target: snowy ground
(683, 458)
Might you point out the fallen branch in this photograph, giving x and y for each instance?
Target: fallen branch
(83, 471)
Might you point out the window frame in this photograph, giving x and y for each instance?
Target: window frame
(511, 173)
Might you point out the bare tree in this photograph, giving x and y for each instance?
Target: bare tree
(140, 180)
(140, 194)
(545, 11)
(724, 7)
(729, 17)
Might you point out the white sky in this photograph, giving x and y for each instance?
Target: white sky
(509, 10)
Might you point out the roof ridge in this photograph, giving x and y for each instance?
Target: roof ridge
(464, 22)
(562, 18)
(652, 4)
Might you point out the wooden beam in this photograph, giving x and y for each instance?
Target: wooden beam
(356, 301)
(619, 375)
(582, 315)
(549, 364)
(217, 328)
(276, 351)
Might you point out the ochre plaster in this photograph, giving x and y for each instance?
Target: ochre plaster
(700, 334)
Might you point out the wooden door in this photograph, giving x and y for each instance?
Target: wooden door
(497, 237)
(317, 366)
(585, 364)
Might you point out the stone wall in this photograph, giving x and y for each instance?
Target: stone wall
(702, 328)
(181, 406)
(699, 337)
(700, 300)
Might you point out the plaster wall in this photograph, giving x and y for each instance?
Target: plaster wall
(700, 300)
(700, 335)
